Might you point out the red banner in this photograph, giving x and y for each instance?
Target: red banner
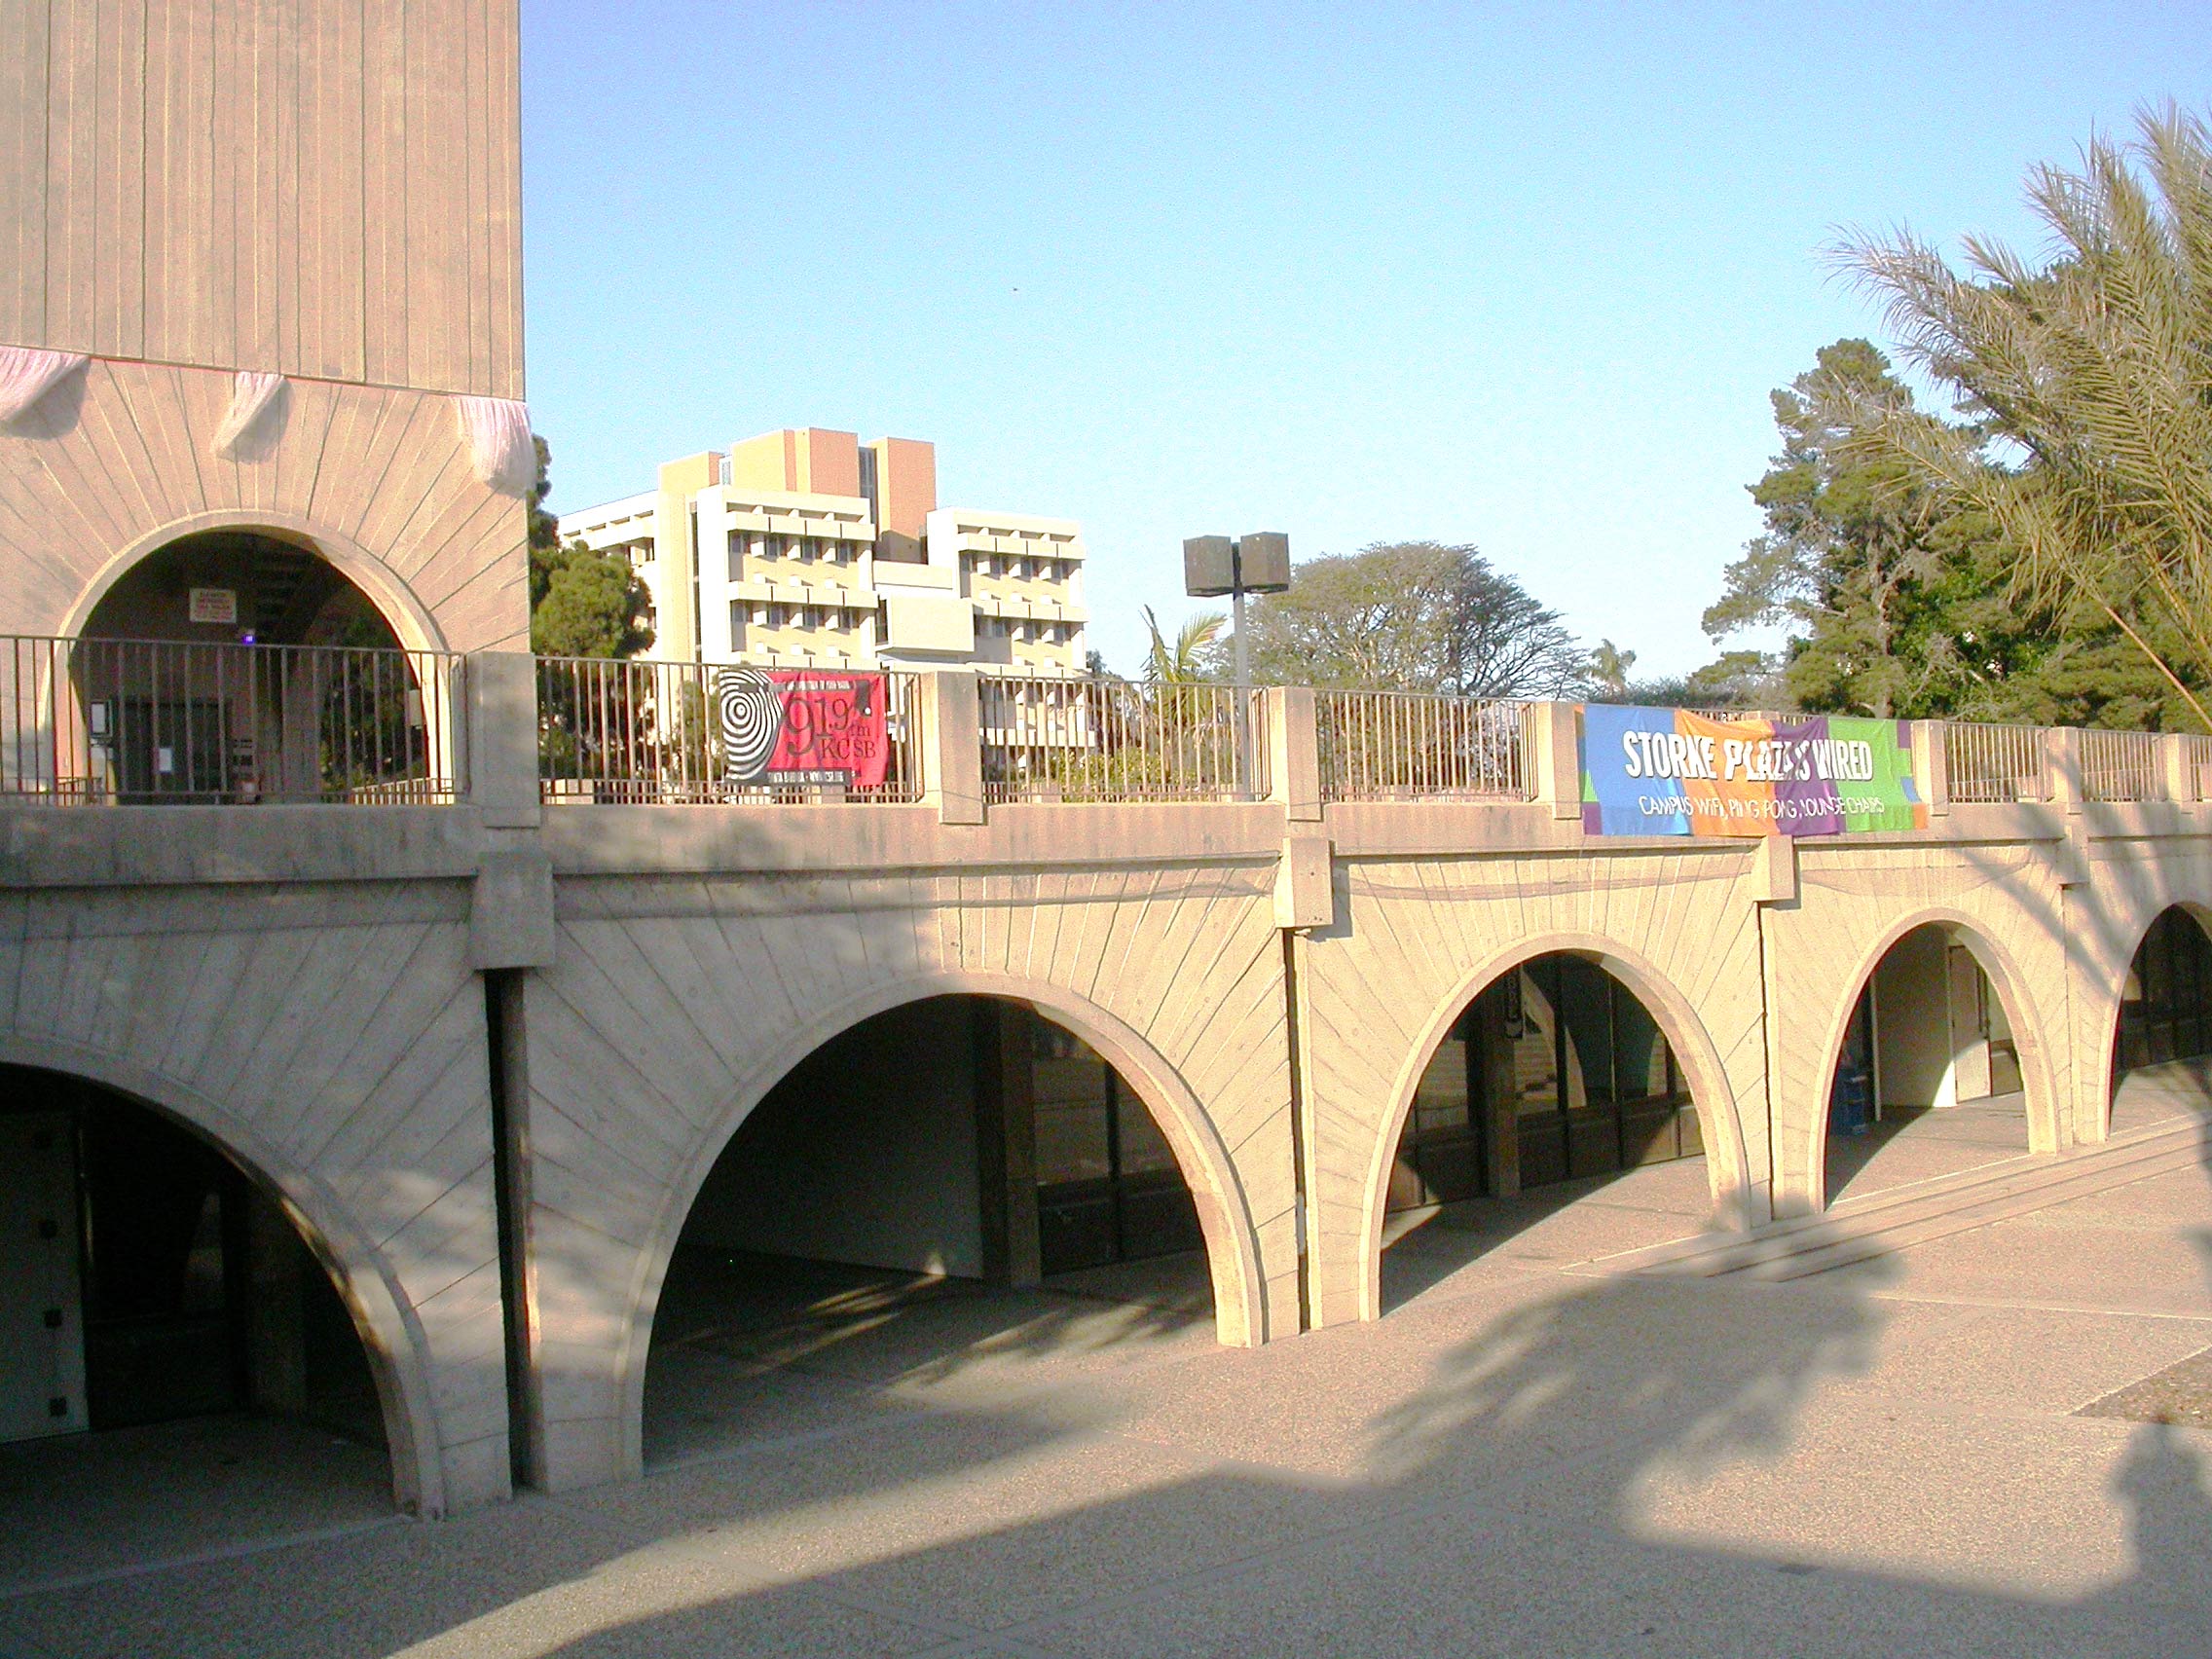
(804, 725)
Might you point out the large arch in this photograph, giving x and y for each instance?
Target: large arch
(391, 1335)
(2039, 1083)
(2114, 995)
(1224, 1214)
(407, 617)
(1727, 1167)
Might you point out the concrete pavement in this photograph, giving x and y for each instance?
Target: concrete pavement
(1532, 1454)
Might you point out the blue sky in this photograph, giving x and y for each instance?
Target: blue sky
(1359, 272)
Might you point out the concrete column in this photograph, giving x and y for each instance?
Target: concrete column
(503, 738)
(1555, 757)
(952, 746)
(276, 1320)
(1293, 755)
(2174, 770)
(2062, 767)
(1491, 1067)
(1005, 1144)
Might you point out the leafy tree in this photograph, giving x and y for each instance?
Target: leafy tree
(594, 607)
(1411, 616)
(2088, 387)
(1737, 679)
(1886, 589)
(582, 604)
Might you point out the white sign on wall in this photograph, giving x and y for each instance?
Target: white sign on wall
(214, 605)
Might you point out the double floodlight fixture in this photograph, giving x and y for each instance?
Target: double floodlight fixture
(1258, 563)
(1214, 564)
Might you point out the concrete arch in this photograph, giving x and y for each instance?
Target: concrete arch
(2115, 993)
(409, 618)
(390, 1334)
(2038, 1079)
(1224, 1214)
(1727, 1167)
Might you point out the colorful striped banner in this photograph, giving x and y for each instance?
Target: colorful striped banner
(1670, 772)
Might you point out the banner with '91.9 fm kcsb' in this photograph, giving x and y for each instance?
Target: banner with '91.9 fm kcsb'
(1670, 772)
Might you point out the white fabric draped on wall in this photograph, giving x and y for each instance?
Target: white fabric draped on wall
(500, 443)
(27, 374)
(251, 394)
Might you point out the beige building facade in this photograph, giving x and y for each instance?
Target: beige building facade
(419, 1077)
(806, 548)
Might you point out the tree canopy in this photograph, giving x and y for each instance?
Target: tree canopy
(2085, 385)
(1411, 616)
(582, 604)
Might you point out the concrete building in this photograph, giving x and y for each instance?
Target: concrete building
(806, 548)
(356, 1067)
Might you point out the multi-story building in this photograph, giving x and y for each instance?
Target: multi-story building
(807, 548)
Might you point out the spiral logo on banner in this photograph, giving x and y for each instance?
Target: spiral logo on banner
(752, 720)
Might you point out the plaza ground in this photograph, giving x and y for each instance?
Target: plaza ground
(1572, 1433)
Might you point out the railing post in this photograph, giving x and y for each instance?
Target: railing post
(952, 746)
(503, 738)
(1294, 752)
(2062, 767)
(1557, 757)
(1931, 764)
(2174, 768)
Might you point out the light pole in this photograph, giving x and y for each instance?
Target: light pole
(1214, 564)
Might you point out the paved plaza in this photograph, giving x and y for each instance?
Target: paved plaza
(1535, 1452)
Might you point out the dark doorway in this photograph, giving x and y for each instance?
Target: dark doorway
(966, 1137)
(168, 1284)
(946, 1184)
(2162, 1008)
(1556, 1072)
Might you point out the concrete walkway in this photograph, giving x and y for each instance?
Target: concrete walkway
(1533, 1453)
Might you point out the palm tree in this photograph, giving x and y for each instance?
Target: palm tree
(2087, 384)
(1610, 666)
(1182, 663)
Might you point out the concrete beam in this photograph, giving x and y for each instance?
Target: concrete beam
(510, 911)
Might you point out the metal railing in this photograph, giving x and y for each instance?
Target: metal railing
(1388, 744)
(2195, 766)
(2121, 765)
(165, 722)
(1110, 740)
(642, 733)
(1995, 762)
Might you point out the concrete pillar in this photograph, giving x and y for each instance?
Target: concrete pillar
(1006, 1143)
(1294, 756)
(276, 1355)
(1489, 1064)
(503, 738)
(2174, 770)
(1555, 757)
(2062, 767)
(952, 746)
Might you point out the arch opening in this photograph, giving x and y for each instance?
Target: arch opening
(1555, 1081)
(231, 666)
(1929, 1077)
(945, 1181)
(2162, 1051)
(181, 1358)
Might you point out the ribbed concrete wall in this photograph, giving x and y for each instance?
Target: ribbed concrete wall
(119, 461)
(331, 1039)
(1415, 940)
(330, 188)
(674, 1006)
